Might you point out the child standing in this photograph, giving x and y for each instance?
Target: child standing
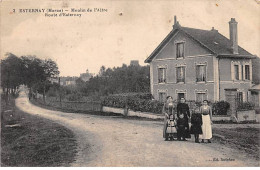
(182, 124)
(196, 122)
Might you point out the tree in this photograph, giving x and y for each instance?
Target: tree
(28, 70)
(11, 74)
(120, 80)
(102, 70)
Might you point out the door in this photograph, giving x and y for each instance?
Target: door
(255, 98)
(181, 95)
(231, 96)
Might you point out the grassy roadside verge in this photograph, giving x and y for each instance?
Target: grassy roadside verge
(74, 111)
(32, 141)
(99, 113)
(245, 139)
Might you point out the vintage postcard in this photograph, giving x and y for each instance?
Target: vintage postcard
(121, 83)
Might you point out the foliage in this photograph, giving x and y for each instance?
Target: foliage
(74, 97)
(11, 73)
(244, 106)
(141, 102)
(135, 102)
(27, 70)
(123, 79)
(220, 108)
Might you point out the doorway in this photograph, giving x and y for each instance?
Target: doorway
(180, 95)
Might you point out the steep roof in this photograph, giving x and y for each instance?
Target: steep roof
(209, 39)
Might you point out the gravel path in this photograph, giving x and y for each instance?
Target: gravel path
(114, 141)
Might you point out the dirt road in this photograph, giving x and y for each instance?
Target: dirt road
(114, 141)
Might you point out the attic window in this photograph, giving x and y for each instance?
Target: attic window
(180, 50)
(215, 43)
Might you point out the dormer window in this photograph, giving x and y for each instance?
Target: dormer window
(179, 49)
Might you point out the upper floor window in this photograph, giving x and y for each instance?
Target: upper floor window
(180, 50)
(236, 72)
(200, 73)
(247, 72)
(180, 74)
(161, 75)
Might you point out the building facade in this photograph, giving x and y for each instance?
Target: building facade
(201, 64)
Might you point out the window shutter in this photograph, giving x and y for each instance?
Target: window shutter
(232, 72)
(239, 72)
(178, 74)
(197, 72)
(242, 72)
(164, 75)
(244, 96)
(183, 68)
(205, 72)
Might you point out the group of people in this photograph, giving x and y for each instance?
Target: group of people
(201, 120)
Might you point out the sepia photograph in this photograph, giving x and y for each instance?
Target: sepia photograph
(130, 83)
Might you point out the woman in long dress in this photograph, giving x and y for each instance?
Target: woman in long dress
(206, 113)
(168, 109)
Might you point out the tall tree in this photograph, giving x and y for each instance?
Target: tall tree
(28, 70)
(11, 73)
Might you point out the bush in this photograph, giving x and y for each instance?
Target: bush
(135, 102)
(52, 92)
(244, 106)
(220, 108)
(74, 97)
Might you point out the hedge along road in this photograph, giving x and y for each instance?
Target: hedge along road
(111, 141)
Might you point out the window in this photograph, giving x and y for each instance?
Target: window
(180, 50)
(162, 96)
(236, 72)
(181, 95)
(201, 96)
(162, 75)
(200, 73)
(240, 97)
(180, 74)
(242, 72)
(247, 72)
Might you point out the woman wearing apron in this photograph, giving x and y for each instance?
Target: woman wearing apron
(206, 113)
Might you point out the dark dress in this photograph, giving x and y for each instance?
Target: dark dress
(182, 127)
(196, 122)
(184, 108)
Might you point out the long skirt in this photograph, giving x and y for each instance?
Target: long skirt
(165, 127)
(206, 127)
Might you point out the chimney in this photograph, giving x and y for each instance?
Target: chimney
(233, 35)
(176, 23)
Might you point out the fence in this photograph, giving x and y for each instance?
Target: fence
(74, 105)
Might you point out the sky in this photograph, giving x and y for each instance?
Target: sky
(129, 30)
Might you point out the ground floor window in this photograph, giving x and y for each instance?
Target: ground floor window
(255, 98)
(200, 96)
(181, 95)
(240, 97)
(162, 96)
